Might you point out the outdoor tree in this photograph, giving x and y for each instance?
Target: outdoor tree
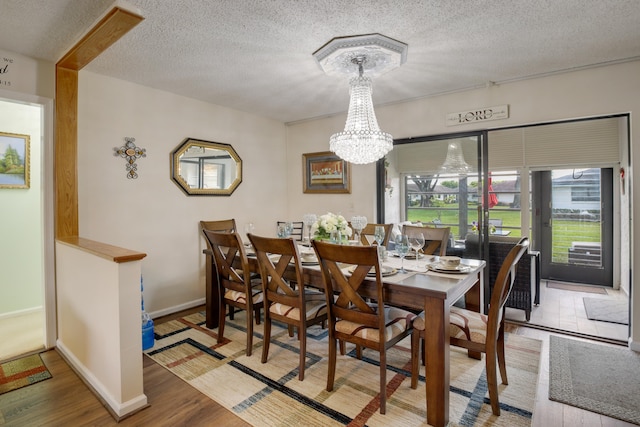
(425, 185)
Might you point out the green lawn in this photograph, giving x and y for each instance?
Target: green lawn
(565, 232)
(449, 216)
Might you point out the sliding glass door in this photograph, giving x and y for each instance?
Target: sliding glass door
(576, 224)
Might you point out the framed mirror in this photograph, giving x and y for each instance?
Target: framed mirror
(204, 168)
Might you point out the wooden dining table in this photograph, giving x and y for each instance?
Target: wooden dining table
(425, 290)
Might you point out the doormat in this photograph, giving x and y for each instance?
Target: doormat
(607, 310)
(598, 378)
(576, 288)
(22, 372)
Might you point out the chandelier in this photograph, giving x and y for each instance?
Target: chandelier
(362, 141)
(454, 162)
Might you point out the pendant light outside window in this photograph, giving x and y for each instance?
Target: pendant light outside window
(454, 162)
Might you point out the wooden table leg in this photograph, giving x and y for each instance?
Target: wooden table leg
(473, 301)
(212, 302)
(436, 349)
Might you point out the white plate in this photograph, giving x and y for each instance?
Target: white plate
(409, 255)
(386, 271)
(308, 261)
(441, 268)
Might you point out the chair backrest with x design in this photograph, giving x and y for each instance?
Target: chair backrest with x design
(234, 284)
(350, 305)
(226, 247)
(277, 286)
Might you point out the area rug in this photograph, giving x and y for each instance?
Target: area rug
(22, 372)
(576, 288)
(270, 394)
(607, 310)
(598, 378)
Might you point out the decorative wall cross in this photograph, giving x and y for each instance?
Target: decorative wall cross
(130, 152)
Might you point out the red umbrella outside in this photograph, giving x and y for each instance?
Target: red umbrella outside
(493, 199)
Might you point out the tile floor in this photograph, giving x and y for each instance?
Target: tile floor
(562, 309)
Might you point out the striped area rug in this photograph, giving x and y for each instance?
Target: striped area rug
(270, 394)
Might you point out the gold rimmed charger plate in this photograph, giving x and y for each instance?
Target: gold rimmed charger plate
(441, 268)
(386, 271)
(409, 255)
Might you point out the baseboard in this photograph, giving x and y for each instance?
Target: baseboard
(19, 313)
(116, 409)
(177, 308)
(634, 345)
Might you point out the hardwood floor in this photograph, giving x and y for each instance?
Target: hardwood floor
(64, 400)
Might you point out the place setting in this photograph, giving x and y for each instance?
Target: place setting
(308, 258)
(448, 265)
(385, 271)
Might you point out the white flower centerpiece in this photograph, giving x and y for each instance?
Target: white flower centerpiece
(322, 228)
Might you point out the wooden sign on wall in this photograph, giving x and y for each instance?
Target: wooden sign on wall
(483, 114)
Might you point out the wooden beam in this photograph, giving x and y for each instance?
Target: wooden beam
(66, 153)
(115, 24)
(109, 30)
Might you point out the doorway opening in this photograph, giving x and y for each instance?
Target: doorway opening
(27, 291)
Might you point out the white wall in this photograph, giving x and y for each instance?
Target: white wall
(587, 93)
(21, 251)
(151, 214)
(98, 302)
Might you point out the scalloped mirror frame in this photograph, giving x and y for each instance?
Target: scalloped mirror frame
(192, 146)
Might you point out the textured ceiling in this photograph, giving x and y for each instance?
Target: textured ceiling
(256, 55)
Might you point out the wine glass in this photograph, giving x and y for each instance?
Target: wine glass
(402, 247)
(248, 228)
(288, 226)
(358, 223)
(378, 234)
(309, 220)
(282, 231)
(417, 242)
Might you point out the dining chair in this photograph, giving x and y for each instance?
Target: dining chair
(478, 332)
(351, 318)
(222, 225)
(298, 227)
(436, 239)
(368, 232)
(284, 301)
(234, 283)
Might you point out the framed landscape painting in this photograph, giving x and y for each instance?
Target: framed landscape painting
(14, 160)
(325, 172)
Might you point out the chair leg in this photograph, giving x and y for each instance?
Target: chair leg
(415, 355)
(359, 352)
(383, 381)
(221, 320)
(502, 363)
(257, 311)
(249, 332)
(266, 340)
(342, 348)
(492, 379)
(231, 312)
(290, 329)
(331, 373)
(302, 337)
